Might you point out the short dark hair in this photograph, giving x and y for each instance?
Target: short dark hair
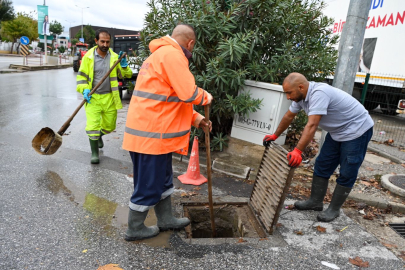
(99, 31)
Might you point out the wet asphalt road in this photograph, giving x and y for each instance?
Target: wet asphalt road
(61, 212)
(5, 61)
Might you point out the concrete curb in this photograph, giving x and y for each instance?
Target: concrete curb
(4, 71)
(21, 68)
(10, 55)
(43, 67)
(386, 155)
(377, 202)
(385, 182)
(237, 170)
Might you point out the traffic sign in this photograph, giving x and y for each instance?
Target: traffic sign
(24, 40)
(24, 50)
(81, 39)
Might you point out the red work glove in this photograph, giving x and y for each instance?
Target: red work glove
(294, 157)
(269, 138)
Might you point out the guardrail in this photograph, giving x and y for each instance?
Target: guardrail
(34, 59)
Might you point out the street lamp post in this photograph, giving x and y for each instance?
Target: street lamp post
(82, 17)
(70, 36)
(70, 26)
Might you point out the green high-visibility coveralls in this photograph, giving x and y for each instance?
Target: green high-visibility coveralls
(101, 112)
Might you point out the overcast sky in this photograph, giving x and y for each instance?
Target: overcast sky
(124, 14)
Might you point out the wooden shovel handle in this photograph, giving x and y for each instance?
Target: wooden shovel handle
(67, 123)
(208, 151)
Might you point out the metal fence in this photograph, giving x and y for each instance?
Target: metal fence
(380, 94)
(34, 59)
(64, 59)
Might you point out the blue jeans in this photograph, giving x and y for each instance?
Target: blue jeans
(153, 180)
(349, 155)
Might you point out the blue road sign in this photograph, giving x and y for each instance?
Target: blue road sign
(81, 39)
(24, 40)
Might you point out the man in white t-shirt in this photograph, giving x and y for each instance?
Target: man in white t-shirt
(349, 128)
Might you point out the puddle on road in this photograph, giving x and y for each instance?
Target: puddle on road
(106, 214)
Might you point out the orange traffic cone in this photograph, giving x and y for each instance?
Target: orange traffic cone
(193, 176)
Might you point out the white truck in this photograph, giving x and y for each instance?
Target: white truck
(382, 55)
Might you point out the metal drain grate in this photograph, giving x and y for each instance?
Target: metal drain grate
(399, 228)
(270, 188)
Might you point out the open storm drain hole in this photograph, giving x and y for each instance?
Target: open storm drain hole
(231, 221)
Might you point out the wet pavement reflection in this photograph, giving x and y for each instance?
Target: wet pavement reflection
(107, 215)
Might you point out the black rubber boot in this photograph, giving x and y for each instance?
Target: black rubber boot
(100, 141)
(94, 152)
(318, 192)
(165, 218)
(339, 197)
(136, 227)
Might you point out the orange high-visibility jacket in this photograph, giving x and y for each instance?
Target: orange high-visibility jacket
(161, 112)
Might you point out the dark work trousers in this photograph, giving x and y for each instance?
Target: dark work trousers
(349, 155)
(153, 180)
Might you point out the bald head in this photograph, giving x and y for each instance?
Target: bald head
(184, 34)
(295, 85)
(293, 79)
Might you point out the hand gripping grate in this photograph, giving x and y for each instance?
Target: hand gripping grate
(271, 186)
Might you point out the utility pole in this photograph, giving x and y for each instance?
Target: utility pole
(45, 46)
(350, 45)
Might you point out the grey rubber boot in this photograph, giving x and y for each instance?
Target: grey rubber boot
(94, 152)
(339, 197)
(165, 218)
(318, 192)
(136, 227)
(100, 141)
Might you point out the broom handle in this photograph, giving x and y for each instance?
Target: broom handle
(67, 123)
(208, 150)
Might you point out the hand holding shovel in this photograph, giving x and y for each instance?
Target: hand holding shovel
(47, 142)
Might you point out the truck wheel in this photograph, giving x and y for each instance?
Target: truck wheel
(389, 104)
(388, 109)
(372, 101)
(75, 66)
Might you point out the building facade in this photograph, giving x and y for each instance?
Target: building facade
(113, 31)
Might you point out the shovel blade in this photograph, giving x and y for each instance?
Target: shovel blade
(46, 142)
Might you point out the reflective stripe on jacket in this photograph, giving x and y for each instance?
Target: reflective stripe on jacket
(160, 113)
(85, 76)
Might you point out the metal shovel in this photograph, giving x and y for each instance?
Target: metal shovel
(47, 142)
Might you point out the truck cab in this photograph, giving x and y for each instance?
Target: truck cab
(81, 49)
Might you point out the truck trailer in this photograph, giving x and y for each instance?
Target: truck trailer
(382, 55)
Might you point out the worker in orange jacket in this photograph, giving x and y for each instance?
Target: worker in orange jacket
(159, 119)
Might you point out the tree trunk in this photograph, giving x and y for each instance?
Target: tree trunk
(18, 47)
(12, 47)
